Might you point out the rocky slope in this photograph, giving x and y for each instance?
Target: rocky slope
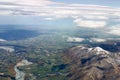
(92, 64)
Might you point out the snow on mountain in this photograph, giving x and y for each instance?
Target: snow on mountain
(99, 50)
(93, 62)
(96, 50)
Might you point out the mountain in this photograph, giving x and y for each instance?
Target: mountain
(92, 64)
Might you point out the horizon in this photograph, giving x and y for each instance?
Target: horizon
(102, 16)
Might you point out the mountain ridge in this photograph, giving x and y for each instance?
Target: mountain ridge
(93, 64)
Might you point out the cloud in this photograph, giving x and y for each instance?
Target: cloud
(83, 15)
(96, 17)
(114, 30)
(97, 40)
(90, 23)
(49, 19)
(73, 39)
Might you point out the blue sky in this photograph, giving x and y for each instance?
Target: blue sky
(93, 14)
(113, 3)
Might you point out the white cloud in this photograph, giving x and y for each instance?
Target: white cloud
(114, 30)
(74, 39)
(33, 3)
(97, 40)
(96, 17)
(5, 12)
(90, 23)
(49, 19)
(55, 8)
(89, 16)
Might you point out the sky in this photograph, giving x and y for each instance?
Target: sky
(93, 14)
(113, 3)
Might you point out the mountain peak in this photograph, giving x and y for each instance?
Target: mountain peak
(99, 50)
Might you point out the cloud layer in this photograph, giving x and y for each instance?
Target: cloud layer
(90, 23)
(83, 15)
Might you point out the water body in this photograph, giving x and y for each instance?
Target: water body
(20, 74)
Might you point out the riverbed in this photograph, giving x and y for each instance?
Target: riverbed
(20, 74)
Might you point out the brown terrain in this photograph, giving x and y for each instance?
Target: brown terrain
(92, 64)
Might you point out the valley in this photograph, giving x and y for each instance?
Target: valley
(47, 53)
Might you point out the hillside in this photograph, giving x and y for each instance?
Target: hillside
(92, 64)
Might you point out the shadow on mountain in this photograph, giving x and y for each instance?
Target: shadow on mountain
(92, 64)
